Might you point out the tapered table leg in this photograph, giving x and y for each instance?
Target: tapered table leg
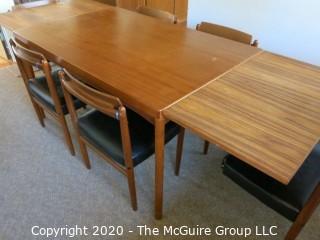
(159, 164)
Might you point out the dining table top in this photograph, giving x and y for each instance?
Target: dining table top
(261, 107)
(27, 17)
(265, 111)
(148, 63)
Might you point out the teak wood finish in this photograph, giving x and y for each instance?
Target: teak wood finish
(265, 111)
(179, 8)
(27, 17)
(160, 14)
(112, 107)
(147, 63)
(154, 70)
(225, 32)
(26, 60)
(111, 2)
(148, 71)
(304, 215)
(70, 8)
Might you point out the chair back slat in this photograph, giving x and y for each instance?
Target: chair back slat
(109, 2)
(32, 57)
(226, 32)
(103, 102)
(156, 13)
(26, 60)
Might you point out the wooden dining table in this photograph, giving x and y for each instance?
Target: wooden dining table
(205, 83)
(22, 18)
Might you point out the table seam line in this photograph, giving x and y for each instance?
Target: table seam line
(212, 80)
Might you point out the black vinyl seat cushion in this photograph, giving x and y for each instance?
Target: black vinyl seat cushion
(103, 132)
(288, 200)
(40, 90)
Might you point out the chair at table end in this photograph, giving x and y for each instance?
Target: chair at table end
(156, 13)
(226, 32)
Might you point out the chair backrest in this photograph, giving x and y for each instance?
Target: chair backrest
(103, 102)
(156, 13)
(33, 4)
(26, 60)
(109, 2)
(227, 32)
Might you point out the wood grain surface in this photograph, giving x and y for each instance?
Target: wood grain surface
(149, 64)
(22, 18)
(265, 111)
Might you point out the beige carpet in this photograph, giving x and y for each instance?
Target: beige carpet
(41, 184)
(4, 62)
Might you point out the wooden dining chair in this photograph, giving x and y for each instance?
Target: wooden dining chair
(228, 33)
(45, 91)
(295, 201)
(120, 136)
(110, 2)
(156, 13)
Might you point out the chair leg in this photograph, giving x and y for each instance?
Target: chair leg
(42, 113)
(206, 147)
(84, 153)
(132, 189)
(304, 215)
(67, 135)
(37, 109)
(179, 150)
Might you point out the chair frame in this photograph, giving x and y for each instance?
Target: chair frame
(26, 59)
(156, 13)
(227, 32)
(113, 3)
(304, 214)
(113, 107)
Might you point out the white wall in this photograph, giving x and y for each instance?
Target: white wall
(5, 5)
(287, 27)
